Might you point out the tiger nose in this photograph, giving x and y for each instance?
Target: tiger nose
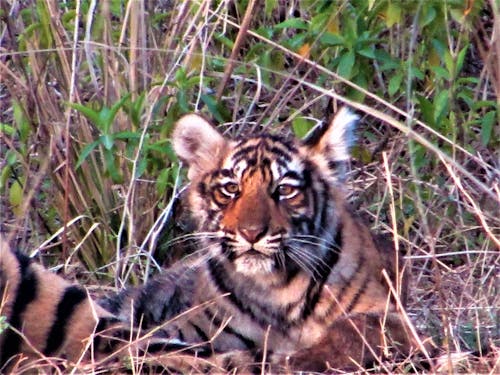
(254, 233)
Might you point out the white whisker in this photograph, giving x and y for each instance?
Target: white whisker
(305, 266)
(192, 236)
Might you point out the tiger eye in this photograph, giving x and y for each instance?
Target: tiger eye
(231, 187)
(286, 190)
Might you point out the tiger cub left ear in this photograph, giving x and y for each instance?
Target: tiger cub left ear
(197, 143)
(332, 141)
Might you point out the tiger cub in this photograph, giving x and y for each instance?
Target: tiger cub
(47, 316)
(287, 274)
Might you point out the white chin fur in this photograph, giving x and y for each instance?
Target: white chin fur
(252, 265)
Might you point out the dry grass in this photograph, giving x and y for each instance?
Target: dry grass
(442, 208)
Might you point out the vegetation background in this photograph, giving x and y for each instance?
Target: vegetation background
(90, 91)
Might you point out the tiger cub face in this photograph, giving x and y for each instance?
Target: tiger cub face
(266, 206)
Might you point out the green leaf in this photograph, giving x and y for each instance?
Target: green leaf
(441, 73)
(449, 63)
(194, 81)
(460, 60)
(419, 156)
(293, 23)
(16, 197)
(346, 64)
(180, 77)
(213, 107)
(386, 60)
(395, 83)
(11, 157)
(126, 135)
(467, 99)
(92, 115)
(105, 120)
(484, 103)
(466, 80)
(107, 141)
(113, 111)
(21, 122)
(86, 152)
(439, 47)
(266, 32)
(301, 126)
(222, 38)
(355, 94)
(141, 167)
(487, 127)
(331, 39)
(163, 147)
(393, 14)
(7, 129)
(415, 72)
(319, 22)
(162, 181)
(109, 157)
(296, 41)
(428, 15)
(269, 7)
(4, 176)
(136, 109)
(426, 109)
(441, 105)
(367, 52)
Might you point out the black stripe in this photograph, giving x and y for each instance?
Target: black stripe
(303, 180)
(335, 165)
(318, 209)
(202, 188)
(243, 152)
(299, 220)
(292, 270)
(312, 297)
(217, 272)
(282, 154)
(360, 290)
(72, 297)
(282, 141)
(25, 294)
(226, 173)
(349, 281)
(101, 326)
(249, 343)
(324, 212)
(252, 162)
(282, 163)
(324, 268)
(110, 343)
(341, 293)
(264, 312)
(199, 332)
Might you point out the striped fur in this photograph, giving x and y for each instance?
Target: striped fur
(48, 317)
(284, 265)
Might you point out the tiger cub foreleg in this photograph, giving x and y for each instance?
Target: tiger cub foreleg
(353, 343)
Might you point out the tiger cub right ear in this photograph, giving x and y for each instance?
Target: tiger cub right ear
(197, 143)
(329, 143)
